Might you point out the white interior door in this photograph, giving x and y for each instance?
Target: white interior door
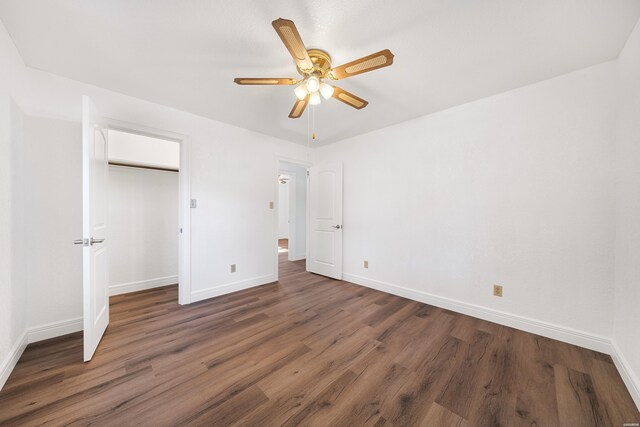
(325, 220)
(95, 167)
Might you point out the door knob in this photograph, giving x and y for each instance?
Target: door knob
(337, 227)
(79, 242)
(92, 241)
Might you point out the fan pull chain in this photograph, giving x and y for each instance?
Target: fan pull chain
(313, 128)
(308, 129)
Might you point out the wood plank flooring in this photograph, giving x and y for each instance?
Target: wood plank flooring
(310, 351)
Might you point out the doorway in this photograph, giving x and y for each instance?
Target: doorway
(291, 213)
(143, 194)
(96, 291)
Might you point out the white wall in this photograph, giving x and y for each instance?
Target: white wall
(515, 189)
(626, 334)
(142, 229)
(283, 210)
(7, 340)
(52, 213)
(130, 148)
(13, 289)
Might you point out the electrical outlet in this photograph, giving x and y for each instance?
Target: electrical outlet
(233, 268)
(497, 290)
(366, 264)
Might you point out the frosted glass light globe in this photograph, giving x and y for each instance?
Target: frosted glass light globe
(314, 99)
(301, 91)
(313, 84)
(326, 90)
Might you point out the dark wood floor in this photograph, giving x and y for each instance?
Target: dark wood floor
(310, 351)
(283, 243)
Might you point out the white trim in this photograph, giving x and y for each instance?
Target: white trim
(629, 377)
(184, 214)
(549, 330)
(297, 257)
(276, 219)
(54, 329)
(305, 164)
(12, 358)
(141, 285)
(231, 287)
(293, 215)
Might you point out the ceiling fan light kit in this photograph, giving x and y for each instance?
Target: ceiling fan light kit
(301, 91)
(314, 98)
(314, 65)
(326, 90)
(313, 84)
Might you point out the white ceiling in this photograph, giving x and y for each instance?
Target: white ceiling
(185, 53)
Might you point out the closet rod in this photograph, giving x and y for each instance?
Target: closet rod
(130, 165)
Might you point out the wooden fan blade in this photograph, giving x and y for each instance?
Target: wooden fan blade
(298, 108)
(381, 59)
(264, 81)
(349, 98)
(289, 35)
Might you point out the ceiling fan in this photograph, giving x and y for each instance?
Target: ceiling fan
(314, 65)
(282, 179)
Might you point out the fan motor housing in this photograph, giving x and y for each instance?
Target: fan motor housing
(321, 64)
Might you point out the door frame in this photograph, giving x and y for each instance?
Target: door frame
(276, 215)
(184, 197)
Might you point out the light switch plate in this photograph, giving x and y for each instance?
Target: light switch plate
(194, 203)
(270, 205)
(366, 264)
(233, 268)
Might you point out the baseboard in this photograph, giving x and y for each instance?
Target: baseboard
(54, 329)
(125, 288)
(549, 330)
(629, 377)
(298, 257)
(12, 358)
(35, 334)
(231, 287)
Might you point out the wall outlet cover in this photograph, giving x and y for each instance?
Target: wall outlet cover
(497, 290)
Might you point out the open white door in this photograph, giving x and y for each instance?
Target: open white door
(95, 169)
(325, 220)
